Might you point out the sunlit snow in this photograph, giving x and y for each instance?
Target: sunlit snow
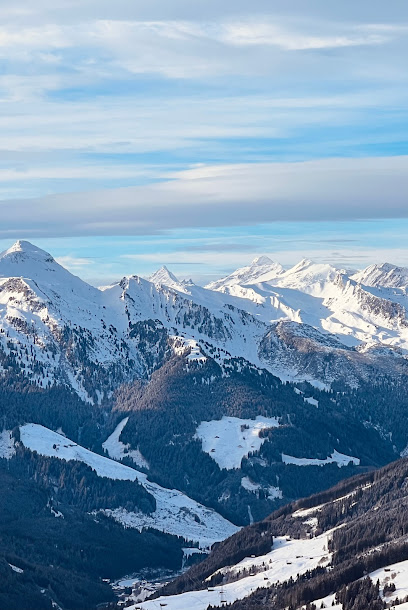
(230, 439)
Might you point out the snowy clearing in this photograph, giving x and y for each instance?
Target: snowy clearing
(396, 573)
(118, 450)
(7, 449)
(272, 492)
(312, 401)
(335, 458)
(230, 439)
(176, 513)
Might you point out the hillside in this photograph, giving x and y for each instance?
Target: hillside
(345, 548)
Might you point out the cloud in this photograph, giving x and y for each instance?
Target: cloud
(220, 196)
(74, 263)
(186, 82)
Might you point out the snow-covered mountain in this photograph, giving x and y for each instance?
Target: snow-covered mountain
(260, 266)
(179, 384)
(57, 329)
(166, 278)
(385, 275)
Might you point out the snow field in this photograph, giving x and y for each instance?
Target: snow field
(7, 449)
(230, 439)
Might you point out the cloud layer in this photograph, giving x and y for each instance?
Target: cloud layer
(220, 196)
(96, 94)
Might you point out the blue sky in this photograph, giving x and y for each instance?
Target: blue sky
(201, 134)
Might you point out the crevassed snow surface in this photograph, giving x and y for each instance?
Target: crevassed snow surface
(230, 439)
(175, 513)
(7, 449)
(287, 559)
(338, 458)
(118, 450)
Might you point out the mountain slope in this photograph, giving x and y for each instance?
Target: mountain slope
(315, 550)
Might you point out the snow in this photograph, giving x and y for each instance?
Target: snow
(305, 512)
(312, 401)
(328, 602)
(396, 573)
(230, 439)
(175, 513)
(249, 485)
(273, 493)
(164, 277)
(118, 450)
(260, 266)
(183, 345)
(384, 275)
(336, 458)
(288, 558)
(7, 449)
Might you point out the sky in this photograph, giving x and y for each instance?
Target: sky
(200, 134)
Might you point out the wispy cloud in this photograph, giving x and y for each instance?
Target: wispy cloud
(73, 263)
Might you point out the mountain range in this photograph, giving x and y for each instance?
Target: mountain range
(56, 329)
(169, 415)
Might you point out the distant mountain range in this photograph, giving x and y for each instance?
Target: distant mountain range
(56, 329)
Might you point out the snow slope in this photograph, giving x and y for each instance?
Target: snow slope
(118, 450)
(230, 439)
(396, 573)
(262, 266)
(335, 458)
(175, 513)
(384, 275)
(287, 559)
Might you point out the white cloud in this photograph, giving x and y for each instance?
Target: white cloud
(227, 195)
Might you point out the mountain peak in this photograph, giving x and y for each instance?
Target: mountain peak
(25, 247)
(262, 260)
(384, 275)
(163, 276)
(23, 251)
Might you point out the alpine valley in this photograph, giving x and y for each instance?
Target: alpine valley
(144, 423)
